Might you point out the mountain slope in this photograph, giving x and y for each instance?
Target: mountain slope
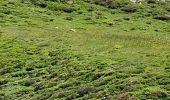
(84, 50)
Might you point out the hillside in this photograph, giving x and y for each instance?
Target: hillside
(84, 50)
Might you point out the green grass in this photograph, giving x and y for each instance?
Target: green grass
(105, 58)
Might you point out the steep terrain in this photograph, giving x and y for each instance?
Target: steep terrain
(84, 50)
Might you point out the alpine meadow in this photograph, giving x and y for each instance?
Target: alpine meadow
(84, 50)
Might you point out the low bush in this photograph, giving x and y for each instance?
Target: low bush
(69, 18)
(43, 5)
(19, 74)
(84, 90)
(28, 82)
(53, 75)
(61, 94)
(129, 9)
(6, 70)
(88, 18)
(125, 96)
(38, 86)
(30, 68)
(101, 82)
(159, 95)
(65, 85)
(160, 17)
(126, 18)
(2, 82)
(113, 4)
(69, 9)
(151, 1)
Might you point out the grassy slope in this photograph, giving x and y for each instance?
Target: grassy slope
(129, 59)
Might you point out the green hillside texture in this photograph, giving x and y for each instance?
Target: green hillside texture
(84, 50)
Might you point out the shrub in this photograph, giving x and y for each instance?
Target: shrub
(155, 95)
(129, 9)
(164, 81)
(167, 8)
(114, 5)
(28, 82)
(3, 96)
(43, 5)
(90, 9)
(29, 68)
(160, 17)
(101, 82)
(58, 0)
(96, 75)
(83, 90)
(44, 96)
(6, 70)
(38, 3)
(52, 84)
(109, 23)
(125, 96)
(151, 1)
(53, 75)
(2, 82)
(19, 74)
(34, 1)
(132, 28)
(69, 18)
(61, 94)
(79, 12)
(69, 9)
(159, 94)
(167, 87)
(71, 97)
(126, 18)
(98, 16)
(6, 11)
(65, 85)
(53, 53)
(38, 86)
(102, 2)
(88, 18)
(61, 7)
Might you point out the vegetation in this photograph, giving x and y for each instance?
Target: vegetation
(86, 49)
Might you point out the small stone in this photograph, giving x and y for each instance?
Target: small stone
(72, 30)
